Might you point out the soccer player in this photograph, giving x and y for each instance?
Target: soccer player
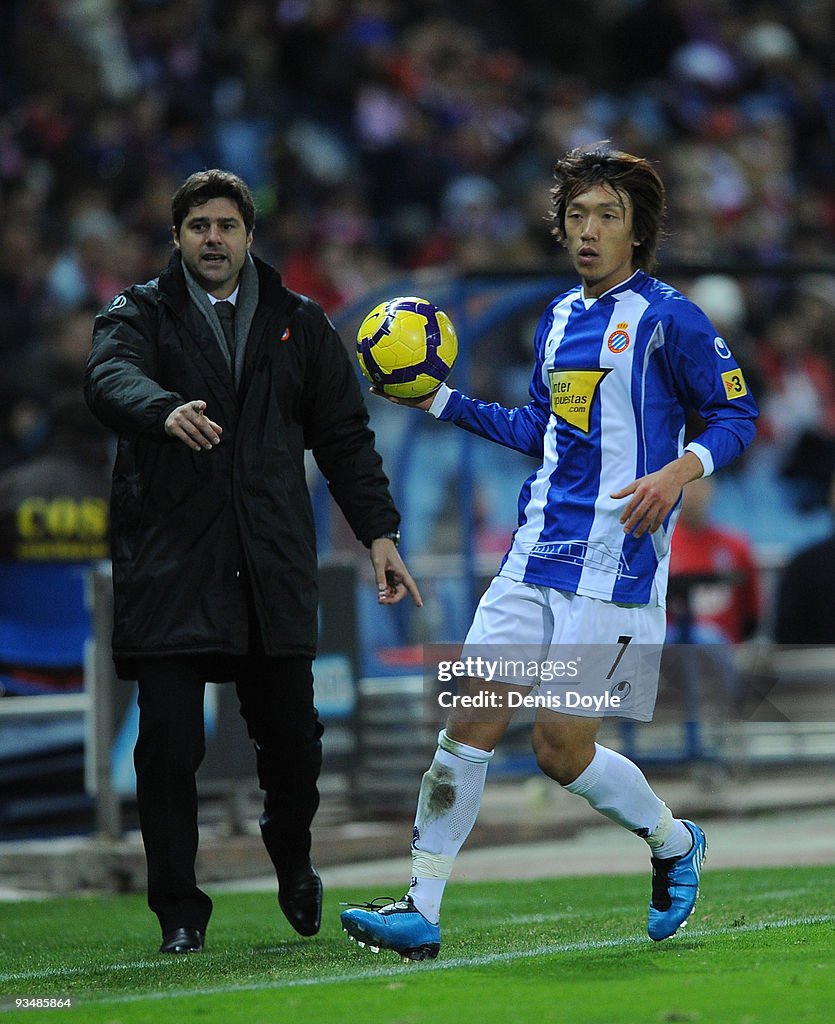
(620, 360)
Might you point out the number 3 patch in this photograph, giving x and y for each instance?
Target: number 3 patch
(734, 384)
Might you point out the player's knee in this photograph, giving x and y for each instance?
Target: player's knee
(561, 758)
(484, 735)
(550, 758)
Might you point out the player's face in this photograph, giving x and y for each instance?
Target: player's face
(599, 239)
(214, 243)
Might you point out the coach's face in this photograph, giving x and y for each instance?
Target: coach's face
(214, 243)
(599, 238)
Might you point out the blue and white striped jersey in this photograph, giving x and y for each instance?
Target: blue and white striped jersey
(614, 378)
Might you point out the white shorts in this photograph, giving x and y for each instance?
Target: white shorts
(586, 656)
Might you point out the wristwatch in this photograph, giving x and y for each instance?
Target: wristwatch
(393, 535)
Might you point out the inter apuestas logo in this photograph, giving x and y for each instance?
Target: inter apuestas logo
(573, 392)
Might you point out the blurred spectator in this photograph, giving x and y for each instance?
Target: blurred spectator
(22, 418)
(54, 505)
(58, 356)
(713, 575)
(90, 268)
(805, 611)
(798, 408)
(23, 263)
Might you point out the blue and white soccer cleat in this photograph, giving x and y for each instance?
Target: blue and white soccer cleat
(675, 887)
(398, 925)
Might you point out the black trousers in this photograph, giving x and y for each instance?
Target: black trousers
(276, 702)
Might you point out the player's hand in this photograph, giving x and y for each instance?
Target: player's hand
(190, 424)
(413, 403)
(654, 495)
(394, 580)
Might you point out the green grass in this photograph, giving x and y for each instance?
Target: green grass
(759, 949)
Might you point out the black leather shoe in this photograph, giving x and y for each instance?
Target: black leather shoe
(300, 899)
(182, 940)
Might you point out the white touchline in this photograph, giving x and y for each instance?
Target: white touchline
(397, 969)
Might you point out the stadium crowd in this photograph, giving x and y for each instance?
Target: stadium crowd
(385, 136)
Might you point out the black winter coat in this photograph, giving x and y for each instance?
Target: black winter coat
(188, 528)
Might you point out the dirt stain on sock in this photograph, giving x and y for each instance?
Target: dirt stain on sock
(439, 795)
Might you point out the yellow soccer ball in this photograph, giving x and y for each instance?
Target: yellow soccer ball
(406, 347)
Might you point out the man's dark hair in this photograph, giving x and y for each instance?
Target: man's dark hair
(202, 186)
(582, 169)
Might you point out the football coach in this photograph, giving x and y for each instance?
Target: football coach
(217, 378)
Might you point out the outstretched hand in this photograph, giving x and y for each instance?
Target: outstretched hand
(394, 580)
(190, 424)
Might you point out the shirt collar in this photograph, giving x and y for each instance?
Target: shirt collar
(233, 298)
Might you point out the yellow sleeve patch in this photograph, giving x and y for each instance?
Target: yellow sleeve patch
(734, 384)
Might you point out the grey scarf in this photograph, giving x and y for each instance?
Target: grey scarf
(244, 312)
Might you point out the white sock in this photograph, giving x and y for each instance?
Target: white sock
(448, 805)
(617, 788)
(670, 838)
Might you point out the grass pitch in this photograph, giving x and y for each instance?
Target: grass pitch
(760, 948)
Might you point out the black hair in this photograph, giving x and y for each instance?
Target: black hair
(202, 186)
(582, 169)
